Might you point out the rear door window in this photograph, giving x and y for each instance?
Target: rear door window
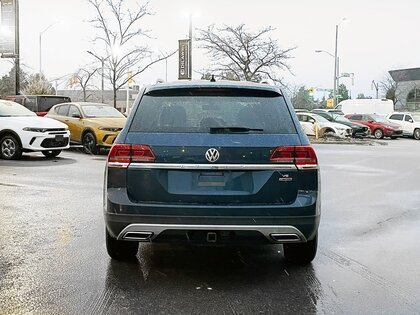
(199, 110)
(63, 110)
(397, 116)
(46, 102)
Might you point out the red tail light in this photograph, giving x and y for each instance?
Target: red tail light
(142, 153)
(283, 155)
(305, 155)
(121, 155)
(301, 156)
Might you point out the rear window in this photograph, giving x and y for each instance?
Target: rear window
(189, 111)
(46, 102)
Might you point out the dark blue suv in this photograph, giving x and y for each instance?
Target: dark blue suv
(212, 163)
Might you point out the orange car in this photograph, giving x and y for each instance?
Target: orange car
(94, 125)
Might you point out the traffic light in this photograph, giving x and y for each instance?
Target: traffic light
(130, 77)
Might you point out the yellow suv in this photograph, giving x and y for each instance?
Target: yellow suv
(94, 125)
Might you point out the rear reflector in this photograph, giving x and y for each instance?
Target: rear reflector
(303, 156)
(121, 155)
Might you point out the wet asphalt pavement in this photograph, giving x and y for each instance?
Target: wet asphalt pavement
(53, 258)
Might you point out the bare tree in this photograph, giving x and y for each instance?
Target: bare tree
(389, 87)
(120, 29)
(82, 79)
(240, 54)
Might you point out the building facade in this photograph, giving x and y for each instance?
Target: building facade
(407, 90)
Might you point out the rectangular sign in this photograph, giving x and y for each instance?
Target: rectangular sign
(330, 103)
(184, 59)
(7, 27)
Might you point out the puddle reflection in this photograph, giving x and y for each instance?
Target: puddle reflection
(189, 279)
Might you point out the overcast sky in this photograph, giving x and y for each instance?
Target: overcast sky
(380, 35)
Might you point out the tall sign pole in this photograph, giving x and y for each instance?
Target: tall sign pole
(17, 49)
(184, 59)
(190, 49)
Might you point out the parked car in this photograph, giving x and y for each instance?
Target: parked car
(357, 130)
(379, 126)
(366, 106)
(40, 104)
(94, 125)
(23, 131)
(410, 123)
(212, 163)
(310, 121)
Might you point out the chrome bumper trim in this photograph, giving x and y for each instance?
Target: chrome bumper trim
(230, 167)
(266, 230)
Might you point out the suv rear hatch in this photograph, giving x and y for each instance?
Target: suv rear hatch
(212, 147)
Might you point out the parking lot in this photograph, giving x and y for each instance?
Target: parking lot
(53, 258)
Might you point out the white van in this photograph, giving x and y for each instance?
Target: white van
(366, 106)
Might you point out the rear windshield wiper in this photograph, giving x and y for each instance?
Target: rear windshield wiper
(234, 130)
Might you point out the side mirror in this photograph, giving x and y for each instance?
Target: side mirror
(410, 120)
(76, 116)
(370, 121)
(312, 121)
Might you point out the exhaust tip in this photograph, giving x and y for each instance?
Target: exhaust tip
(138, 236)
(285, 238)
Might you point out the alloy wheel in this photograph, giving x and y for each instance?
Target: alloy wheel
(8, 148)
(89, 143)
(378, 134)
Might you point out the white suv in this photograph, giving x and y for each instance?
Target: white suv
(410, 123)
(23, 131)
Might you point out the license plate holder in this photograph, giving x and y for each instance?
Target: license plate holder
(59, 138)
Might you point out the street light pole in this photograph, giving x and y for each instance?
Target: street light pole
(335, 66)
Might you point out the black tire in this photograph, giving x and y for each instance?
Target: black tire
(301, 253)
(378, 133)
(89, 143)
(10, 148)
(393, 138)
(416, 134)
(51, 153)
(121, 250)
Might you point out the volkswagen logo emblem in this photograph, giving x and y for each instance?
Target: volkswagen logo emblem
(212, 155)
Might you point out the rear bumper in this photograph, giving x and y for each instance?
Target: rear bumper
(296, 222)
(278, 231)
